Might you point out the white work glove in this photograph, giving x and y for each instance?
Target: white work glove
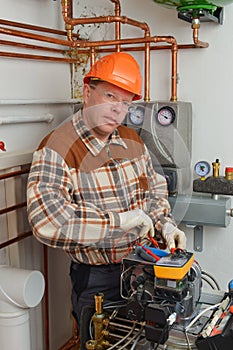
(136, 219)
(174, 237)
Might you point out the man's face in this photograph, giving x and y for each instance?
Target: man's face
(105, 106)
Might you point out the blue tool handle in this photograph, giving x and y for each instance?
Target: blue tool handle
(141, 252)
(156, 251)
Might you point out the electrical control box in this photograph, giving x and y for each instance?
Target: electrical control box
(166, 129)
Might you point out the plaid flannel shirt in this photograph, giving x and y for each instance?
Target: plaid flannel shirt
(78, 184)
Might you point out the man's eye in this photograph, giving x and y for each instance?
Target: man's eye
(126, 104)
(110, 96)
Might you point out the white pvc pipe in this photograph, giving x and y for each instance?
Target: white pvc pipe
(19, 290)
(14, 328)
(38, 102)
(22, 288)
(26, 119)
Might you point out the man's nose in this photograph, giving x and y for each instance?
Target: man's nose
(118, 107)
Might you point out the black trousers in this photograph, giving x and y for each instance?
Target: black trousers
(88, 280)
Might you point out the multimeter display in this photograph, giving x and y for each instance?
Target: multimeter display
(173, 267)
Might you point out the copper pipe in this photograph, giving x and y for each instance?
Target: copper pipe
(196, 39)
(38, 57)
(67, 10)
(97, 50)
(92, 55)
(117, 24)
(33, 47)
(33, 36)
(22, 237)
(12, 208)
(108, 19)
(71, 22)
(75, 340)
(168, 39)
(16, 239)
(33, 27)
(14, 173)
(174, 49)
(70, 344)
(67, 14)
(117, 6)
(145, 40)
(84, 44)
(46, 297)
(147, 73)
(142, 48)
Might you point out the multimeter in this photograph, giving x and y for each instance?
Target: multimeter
(174, 266)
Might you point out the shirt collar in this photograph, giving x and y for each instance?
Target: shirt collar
(94, 145)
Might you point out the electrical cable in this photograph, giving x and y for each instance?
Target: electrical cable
(212, 278)
(165, 329)
(200, 314)
(123, 339)
(131, 339)
(209, 282)
(135, 342)
(187, 340)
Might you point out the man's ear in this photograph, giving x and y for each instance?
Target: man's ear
(86, 92)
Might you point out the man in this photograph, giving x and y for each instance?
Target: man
(92, 190)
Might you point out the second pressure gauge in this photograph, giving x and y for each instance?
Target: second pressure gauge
(136, 115)
(202, 168)
(166, 116)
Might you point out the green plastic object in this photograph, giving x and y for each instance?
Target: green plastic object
(182, 5)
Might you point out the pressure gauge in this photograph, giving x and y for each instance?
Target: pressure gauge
(202, 168)
(136, 115)
(166, 116)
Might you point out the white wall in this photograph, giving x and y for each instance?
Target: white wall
(34, 88)
(206, 78)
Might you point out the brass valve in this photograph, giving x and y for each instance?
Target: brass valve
(100, 322)
(216, 168)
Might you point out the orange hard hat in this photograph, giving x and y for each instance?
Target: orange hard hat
(119, 69)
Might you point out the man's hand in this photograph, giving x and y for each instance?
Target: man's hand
(136, 218)
(174, 237)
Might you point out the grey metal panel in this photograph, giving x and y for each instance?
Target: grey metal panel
(201, 210)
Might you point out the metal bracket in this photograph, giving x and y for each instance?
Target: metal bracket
(198, 238)
(205, 15)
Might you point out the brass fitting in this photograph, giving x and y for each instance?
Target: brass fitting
(196, 23)
(100, 321)
(216, 168)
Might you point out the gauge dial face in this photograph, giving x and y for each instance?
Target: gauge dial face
(202, 168)
(166, 116)
(136, 115)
